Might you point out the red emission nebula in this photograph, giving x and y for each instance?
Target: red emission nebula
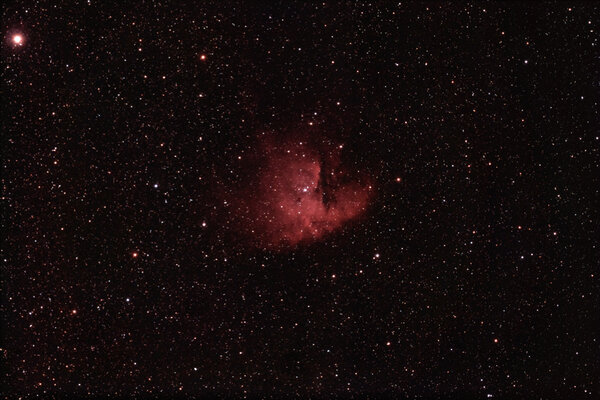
(301, 194)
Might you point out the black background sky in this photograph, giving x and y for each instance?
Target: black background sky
(130, 132)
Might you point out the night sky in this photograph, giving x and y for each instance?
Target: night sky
(328, 200)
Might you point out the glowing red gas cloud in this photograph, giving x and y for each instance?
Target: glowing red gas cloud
(302, 194)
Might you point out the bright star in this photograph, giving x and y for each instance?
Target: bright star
(17, 39)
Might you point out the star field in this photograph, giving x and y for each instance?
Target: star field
(290, 200)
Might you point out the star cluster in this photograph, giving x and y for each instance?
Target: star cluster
(300, 200)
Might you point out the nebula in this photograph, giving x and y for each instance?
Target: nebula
(302, 194)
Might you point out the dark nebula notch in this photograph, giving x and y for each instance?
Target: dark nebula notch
(302, 193)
